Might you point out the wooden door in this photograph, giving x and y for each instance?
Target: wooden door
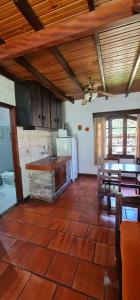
(46, 114)
(36, 105)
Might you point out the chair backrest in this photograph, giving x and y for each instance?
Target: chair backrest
(138, 160)
(112, 176)
(128, 201)
(112, 158)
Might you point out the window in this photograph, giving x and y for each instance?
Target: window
(121, 136)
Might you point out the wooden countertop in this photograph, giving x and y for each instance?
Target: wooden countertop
(47, 165)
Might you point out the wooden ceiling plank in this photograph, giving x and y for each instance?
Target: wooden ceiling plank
(26, 64)
(35, 22)
(133, 74)
(60, 32)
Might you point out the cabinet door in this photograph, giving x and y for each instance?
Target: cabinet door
(36, 105)
(63, 174)
(60, 177)
(57, 179)
(59, 114)
(23, 104)
(53, 104)
(46, 115)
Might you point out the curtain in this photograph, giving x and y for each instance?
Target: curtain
(99, 140)
(138, 137)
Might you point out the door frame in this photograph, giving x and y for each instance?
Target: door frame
(15, 152)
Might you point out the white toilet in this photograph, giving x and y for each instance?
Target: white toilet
(8, 177)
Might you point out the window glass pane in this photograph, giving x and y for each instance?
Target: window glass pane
(131, 150)
(131, 123)
(117, 150)
(131, 142)
(117, 123)
(118, 132)
(117, 141)
(131, 131)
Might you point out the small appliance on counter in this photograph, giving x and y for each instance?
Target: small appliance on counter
(64, 132)
(67, 146)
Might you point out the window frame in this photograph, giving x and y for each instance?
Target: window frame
(125, 118)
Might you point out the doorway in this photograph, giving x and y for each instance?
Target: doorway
(10, 178)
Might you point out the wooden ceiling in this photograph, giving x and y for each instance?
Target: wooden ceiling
(111, 56)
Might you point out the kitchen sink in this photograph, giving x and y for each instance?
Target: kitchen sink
(52, 158)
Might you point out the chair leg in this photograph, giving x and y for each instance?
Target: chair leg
(109, 203)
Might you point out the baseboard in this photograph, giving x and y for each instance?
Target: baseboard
(8, 210)
(26, 199)
(87, 175)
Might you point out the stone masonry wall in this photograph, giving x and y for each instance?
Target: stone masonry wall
(42, 184)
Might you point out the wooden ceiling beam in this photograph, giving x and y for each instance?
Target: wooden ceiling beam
(91, 5)
(26, 10)
(43, 79)
(61, 32)
(100, 61)
(26, 65)
(133, 73)
(8, 75)
(66, 66)
(37, 25)
(4, 72)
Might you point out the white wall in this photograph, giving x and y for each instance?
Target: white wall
(4, 117)
(76, 114)
(7, 91)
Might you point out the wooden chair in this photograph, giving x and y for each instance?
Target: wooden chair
(127, 249)
(138, 175)
(112, 158)
(109, 184)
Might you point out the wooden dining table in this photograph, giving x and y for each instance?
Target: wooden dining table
(124, 168)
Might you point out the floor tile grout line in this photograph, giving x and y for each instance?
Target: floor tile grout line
(92, 224)
(67, 233)
(24, 286)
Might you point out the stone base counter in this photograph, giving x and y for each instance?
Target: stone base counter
(46, 183)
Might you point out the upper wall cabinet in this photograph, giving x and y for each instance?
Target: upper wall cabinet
(46, 113)
(37, 107)
(56, 113)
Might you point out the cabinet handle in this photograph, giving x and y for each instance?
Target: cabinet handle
(39, 116)
(58, 120)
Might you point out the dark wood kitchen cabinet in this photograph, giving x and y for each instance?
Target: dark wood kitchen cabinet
(37, 107)
(46, 113)
(60, 177)
(28, 104)
(56, 113)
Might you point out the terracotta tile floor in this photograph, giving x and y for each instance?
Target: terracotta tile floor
(58, 251)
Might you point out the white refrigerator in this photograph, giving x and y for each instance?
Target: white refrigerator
(68, 147)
